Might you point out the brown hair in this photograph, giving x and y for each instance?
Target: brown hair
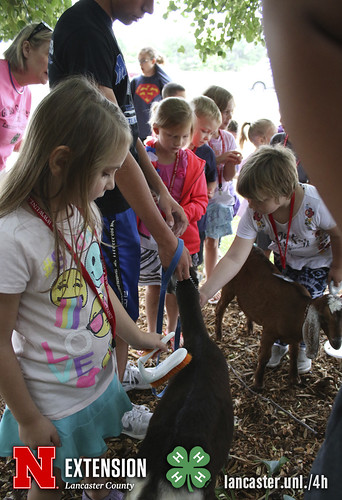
(219, 95)
(270, 171)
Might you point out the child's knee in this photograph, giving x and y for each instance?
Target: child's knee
(211, 243)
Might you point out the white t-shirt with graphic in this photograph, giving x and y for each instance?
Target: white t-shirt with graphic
(308, 244)
(62, 335)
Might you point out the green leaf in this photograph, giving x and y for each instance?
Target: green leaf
(177, 477)
(234, 20)
(200, 477)
(198, 457)
(179, 457)
(274, 466)
(15, 15)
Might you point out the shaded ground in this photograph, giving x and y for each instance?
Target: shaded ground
(282, 421)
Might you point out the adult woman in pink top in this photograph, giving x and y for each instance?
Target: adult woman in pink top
(25, 63)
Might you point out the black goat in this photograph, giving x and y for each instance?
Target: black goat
(195, 411)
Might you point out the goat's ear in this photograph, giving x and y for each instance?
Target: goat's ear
(310, 330)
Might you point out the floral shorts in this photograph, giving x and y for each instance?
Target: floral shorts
(219, 220)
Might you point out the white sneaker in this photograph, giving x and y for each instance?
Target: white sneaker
(132, 379)
(278, 352)
(135, 422)
(303, 362)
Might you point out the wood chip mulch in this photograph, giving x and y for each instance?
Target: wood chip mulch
(281, 421)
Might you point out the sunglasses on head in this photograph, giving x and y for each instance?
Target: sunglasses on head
(40, 27)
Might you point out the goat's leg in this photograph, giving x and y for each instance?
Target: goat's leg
(264, 355)
(227, 295)
(293, 373)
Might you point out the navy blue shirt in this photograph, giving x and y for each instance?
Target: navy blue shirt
(146, 90)
(206, 153)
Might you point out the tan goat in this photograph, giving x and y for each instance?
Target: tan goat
(284, 309)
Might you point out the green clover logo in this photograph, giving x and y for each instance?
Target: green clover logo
(188, 469)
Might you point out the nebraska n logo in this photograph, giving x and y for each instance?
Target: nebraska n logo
(41, 472)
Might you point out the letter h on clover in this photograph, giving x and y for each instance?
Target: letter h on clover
(190, 469)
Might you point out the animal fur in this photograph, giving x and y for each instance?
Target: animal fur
(195, 410)
(284, 309)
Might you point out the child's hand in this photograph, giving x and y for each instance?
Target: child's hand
(151, 341)
(40, 432)
(174, 214)
(335, 276)
(202, 298)
(233, 158)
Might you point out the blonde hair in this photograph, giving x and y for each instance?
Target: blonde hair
(171, 112)
(152, 54)
(14, 54)
(256, 129)
(270, 171)
(219, 95)
(204, 106)
(75, 115)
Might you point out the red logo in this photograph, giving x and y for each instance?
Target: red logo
(147, 92)
(41, 471)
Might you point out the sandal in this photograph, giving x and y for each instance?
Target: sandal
(214, 300)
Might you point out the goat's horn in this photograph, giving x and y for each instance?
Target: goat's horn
(311, 328)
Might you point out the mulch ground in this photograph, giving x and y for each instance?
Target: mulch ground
(282, 421)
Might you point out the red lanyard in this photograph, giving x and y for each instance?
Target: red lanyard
(174, 173)
(219, 169)
(108, 308)
(270, 216)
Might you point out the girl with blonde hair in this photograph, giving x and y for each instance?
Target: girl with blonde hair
(183, 174)
(59, 317)
(259, 132)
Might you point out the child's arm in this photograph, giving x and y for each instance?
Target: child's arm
(335, 273)
(233, 158)
(128, 330)
(34, 429)
(227, 268)
(211, 186)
